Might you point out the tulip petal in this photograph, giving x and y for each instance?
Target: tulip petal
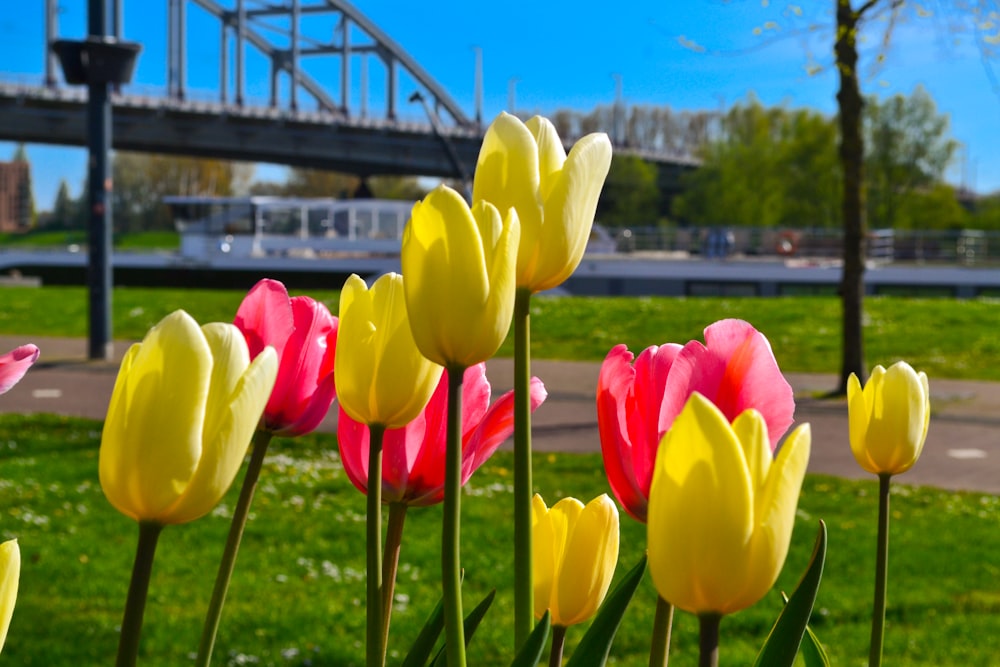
(152, 435)
(569, 210)
(857, 415)
(775, 505)
(589, 561)
(544, 563)
(10, 574)
(14, 364)
(614, 384)
(226, 445)
(306, 386)
(495, 427)
(265, 317)
(700, 511)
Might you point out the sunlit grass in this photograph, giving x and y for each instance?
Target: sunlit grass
(946, 338)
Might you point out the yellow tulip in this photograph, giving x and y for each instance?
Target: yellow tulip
(184, 407)
(889, 418)
(10, 572)
(575, 553)
(525, 166)
(720, 510)
(459, 266)
(381, 376)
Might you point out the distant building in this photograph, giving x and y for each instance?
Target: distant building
(15, 196)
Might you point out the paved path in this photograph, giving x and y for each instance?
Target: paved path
(962, 450)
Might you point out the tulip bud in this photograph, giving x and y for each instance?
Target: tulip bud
(720, 511)
(184, 407)
(459, 266)
(524, 166)
(304, 334)
(381, 376)
(888, 418)
(575, 553)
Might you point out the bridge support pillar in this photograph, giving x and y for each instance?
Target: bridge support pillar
(99, 61)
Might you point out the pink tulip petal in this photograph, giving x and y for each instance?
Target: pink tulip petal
(352, 441)
(301, 372)
(614, 386)
(15, 364)
(496, 426)
(652, 368)
(265, 317)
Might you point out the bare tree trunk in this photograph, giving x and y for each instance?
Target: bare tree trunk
(850, 102)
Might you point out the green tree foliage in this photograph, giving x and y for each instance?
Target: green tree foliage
(141, 181)
(769, 168)
(64, 213)
(318, 183)
(908, 149)
(27, 212)
(631, 196)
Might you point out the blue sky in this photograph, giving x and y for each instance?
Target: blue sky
(695, 54)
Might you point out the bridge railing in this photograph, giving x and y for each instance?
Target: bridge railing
(966, 247)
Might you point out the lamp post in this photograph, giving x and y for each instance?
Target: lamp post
(99, 61)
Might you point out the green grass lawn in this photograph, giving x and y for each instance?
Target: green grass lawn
(943, 337)
(298, 593)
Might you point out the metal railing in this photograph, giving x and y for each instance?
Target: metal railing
(969, 247)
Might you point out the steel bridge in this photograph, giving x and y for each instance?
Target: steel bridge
(312, 49)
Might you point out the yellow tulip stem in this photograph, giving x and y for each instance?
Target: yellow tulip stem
(708, 640)
(135, 603)
(375, 643)
(881, 572)
(659, 649)
(558, 643)
(524, 602)
(451, 575)
(210, 629)
(390, 564)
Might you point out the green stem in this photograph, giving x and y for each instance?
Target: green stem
(881, 572)
(558, 642)
(390, 563)
(659, 649)
(210, 629)
(451, 575)
(374, 645)
(524, 604)
(708, 640)
(135, 603)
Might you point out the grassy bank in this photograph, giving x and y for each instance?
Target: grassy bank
(297, 597)
(944, 337)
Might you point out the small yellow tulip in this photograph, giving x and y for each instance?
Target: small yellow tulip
(889, 418)
(10, 572)
(575, 553)
(459, 266)
(184, 407)
(380, 375)
(524, 166)
(720, 510)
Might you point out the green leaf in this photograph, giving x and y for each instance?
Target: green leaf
(534, 646)
(595, 646)
(813, 652)
(424, 644)
(471, 623)
(782, 644)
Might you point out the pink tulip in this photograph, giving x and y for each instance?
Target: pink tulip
(15, 364)
(304, 334)
(636, 405)
(413, 456)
